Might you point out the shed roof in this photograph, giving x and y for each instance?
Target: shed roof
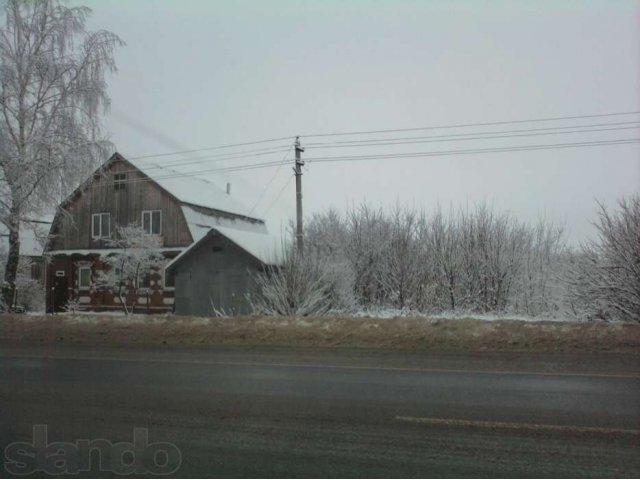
(252, 237)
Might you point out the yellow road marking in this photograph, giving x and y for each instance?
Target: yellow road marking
(312, 366)
(456, 422)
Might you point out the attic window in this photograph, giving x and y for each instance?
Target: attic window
(119, 181)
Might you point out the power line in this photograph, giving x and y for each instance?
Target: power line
(264, 190)
(207, 159)
(475, 151)
(461, 125)
(435, 127)
(223, 156)
(462, 135)
(486, 137)
(389, 141)
(395, 156)
(176, 174)
(218, 147)
(279, 195)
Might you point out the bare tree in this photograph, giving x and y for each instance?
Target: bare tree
(605, 279)
(137, 258)
(366, 249)
(52, 90)
(399, 274)
(469, 260)
(441, 237)
(540, 287)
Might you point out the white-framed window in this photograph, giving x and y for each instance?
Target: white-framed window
(152, 221)
(101, 225)
(84, 278)
(119, 181)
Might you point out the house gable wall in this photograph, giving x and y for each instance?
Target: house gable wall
(72, 230)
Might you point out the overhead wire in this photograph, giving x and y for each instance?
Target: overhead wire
(273, 177)
(393, 141)
(217, 147)
(208, 159)
(464, 136)
(473, 151)
(394, 156)
(368, 143)
(464, 125)
(435, 127)
(486, 137)
(279, 194)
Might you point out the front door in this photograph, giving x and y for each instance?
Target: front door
(60, 292)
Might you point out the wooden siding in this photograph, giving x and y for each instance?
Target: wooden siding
(216, 274)
(72, 230)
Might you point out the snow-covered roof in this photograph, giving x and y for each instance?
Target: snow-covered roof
(253, 237)
(32, 237)
(191, 189)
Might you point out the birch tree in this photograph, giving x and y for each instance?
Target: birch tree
(52, 90)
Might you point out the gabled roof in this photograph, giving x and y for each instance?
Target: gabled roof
(184, 188)
(190, 189)
(253, 238)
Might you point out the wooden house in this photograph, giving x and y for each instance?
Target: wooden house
(180, 209)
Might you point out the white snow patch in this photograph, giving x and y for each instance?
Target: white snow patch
(390, 313)
(253, 237)
(191, 189)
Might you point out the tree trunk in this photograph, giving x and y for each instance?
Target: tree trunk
(13, 258)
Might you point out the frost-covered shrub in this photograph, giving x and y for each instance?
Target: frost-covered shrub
(303, 285)
(604, 281)
(471, 260)
(29, 293)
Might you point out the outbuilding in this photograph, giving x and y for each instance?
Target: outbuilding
(217, 274)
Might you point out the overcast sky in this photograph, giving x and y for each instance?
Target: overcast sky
(198, 74)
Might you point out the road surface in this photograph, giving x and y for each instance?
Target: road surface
(241, 412)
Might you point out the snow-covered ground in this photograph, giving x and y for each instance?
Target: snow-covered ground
(378, 313)
(395, 313)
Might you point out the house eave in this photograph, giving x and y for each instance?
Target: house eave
(103, 251)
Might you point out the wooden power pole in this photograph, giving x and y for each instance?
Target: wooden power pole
(298, 172)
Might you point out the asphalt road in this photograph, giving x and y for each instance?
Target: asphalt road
(327, 413)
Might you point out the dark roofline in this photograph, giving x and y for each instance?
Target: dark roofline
(221, 213)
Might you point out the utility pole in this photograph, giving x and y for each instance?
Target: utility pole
(298, 172)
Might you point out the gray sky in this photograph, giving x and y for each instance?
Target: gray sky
(197, 74)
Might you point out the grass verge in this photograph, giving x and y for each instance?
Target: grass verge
(396, 333)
